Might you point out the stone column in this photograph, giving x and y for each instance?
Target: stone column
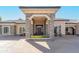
(31, 27)
(52, 27)
(27, 27)
(48, 28)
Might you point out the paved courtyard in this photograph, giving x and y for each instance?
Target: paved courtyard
(18, 44)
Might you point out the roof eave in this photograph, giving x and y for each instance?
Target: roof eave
(39, 7)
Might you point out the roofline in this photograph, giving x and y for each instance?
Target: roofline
(70, 23)
(13, 22)
(61, 20)
(20, 23)
(39, 7)
(7, 22)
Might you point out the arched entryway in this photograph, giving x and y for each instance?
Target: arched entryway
(39, 25)
(70, 31)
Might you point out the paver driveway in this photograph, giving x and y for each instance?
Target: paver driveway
(19, 44)
(68, 44)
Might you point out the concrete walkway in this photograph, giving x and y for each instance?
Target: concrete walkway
(18, 44)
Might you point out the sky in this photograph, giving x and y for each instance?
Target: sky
(14, 13)
(11, 13)
(68, 12)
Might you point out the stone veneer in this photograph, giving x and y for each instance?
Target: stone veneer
(49, 27)
(48, 12)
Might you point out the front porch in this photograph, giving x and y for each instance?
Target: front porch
(39, 21)
(39, 27)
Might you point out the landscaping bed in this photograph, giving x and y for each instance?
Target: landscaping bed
(39, 36)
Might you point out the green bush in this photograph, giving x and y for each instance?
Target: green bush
(39, 36)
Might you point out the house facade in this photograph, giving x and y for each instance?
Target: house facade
(40, 21)
(15, 27)
(61, 26)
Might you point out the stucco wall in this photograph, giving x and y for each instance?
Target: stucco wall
(70, 25)
(62, 24)
(18, 25)
(77, 28)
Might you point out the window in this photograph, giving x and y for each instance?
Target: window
(22, 29)
(6, 29)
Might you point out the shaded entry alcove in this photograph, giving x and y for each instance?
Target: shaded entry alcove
(70, 31)
(39, 25)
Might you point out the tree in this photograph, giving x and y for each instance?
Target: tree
(0, 18)
(20, 19)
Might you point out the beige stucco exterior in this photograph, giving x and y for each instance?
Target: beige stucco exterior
(40, 12)
(77, 28)
(18, 25)
(14, 27)
(43, 17)
(62, 24)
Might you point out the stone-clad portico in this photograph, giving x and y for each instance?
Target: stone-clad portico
(40, 20)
